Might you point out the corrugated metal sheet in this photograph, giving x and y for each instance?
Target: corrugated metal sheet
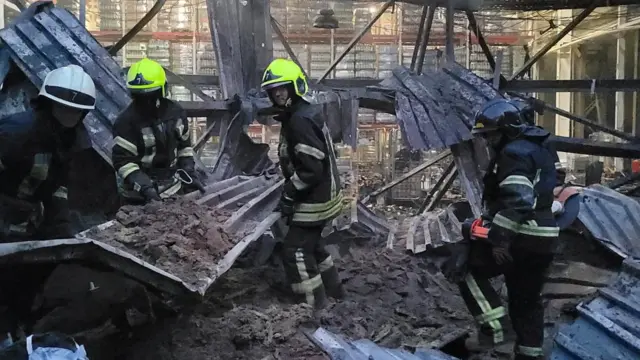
(608, 327)
(52, 38)
(338, 348)
(612, 218)
(425, 232)
(435, 110)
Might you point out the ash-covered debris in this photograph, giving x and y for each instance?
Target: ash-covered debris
(392, 298)
(177, 235)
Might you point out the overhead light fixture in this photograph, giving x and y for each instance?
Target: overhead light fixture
(325, 20)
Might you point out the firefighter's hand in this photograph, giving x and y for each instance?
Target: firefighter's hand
(197, 183)
(501, 254)
(150, 194)
(287, 207)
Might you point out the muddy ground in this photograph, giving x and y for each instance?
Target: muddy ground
(391, 298)
(177, 235)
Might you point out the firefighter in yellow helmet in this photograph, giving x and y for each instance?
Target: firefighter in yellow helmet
(311, 196)
(152, 151)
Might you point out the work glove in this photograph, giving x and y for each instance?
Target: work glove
(196, 183)
(151, 194)
(501, 254)
(455, 267)
(286, 206)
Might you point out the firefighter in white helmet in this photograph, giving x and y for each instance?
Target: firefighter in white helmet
(34, 154)
(35, 149)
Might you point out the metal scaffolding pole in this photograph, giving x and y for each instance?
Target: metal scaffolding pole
(285, 43)
(425, 39)
(355, 40)
(421, 30)
(567, 29)
(473, 24)
(428, 201)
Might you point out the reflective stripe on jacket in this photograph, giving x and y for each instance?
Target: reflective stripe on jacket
(308, 156)
(520, 207)
(145, 147)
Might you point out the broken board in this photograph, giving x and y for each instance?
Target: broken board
(257, 211)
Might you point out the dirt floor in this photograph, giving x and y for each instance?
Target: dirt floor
(391, 299)
(177, 235)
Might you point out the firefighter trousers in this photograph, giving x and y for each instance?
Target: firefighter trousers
(309, 267)
(524, 279)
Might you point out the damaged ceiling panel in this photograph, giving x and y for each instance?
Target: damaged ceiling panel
(46, 38)
(435, 110)
(607, 327)
(612, 219)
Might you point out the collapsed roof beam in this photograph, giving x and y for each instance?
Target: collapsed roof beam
(473, 24)
(567, 29)
(416, 46)
(424, 41)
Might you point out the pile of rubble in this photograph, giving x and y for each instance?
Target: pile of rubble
(179, 236)
(390, 299)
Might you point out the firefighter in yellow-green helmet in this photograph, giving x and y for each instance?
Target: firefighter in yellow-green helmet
(311, 196)
(152, 151)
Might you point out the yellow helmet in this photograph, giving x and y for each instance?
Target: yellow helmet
(283, 71)
(146, 76)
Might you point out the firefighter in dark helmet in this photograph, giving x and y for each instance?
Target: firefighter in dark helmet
(152, 151)
(518, 194)
(311, 196)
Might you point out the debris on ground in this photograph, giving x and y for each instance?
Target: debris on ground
(177, 235)
(392, 299)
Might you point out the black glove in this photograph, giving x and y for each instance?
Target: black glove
(151, 194)
(501, 254)
(287, 207)
(454, 268)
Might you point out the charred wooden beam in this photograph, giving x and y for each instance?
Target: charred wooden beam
(473, 24)
(425, 38)
(598, 148)
(421, 33)
(525, 86)
(438, 189)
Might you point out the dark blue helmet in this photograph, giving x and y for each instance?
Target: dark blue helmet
(503, 115)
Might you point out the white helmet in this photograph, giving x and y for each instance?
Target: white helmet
(70, 86)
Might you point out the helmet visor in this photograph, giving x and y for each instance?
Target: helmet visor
(275, 85)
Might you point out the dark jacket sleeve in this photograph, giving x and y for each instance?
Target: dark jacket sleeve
(56, 223)
(516, 197)
(561, 172)
(310, 152)
(127, 154)
(283, 156)
(185, 149)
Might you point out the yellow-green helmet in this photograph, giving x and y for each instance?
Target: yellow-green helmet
(146, 76)
(282, 72)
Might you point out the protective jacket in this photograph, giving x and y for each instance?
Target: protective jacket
(308, 162)
(519, 193)
(34, 166)
(149, 149)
